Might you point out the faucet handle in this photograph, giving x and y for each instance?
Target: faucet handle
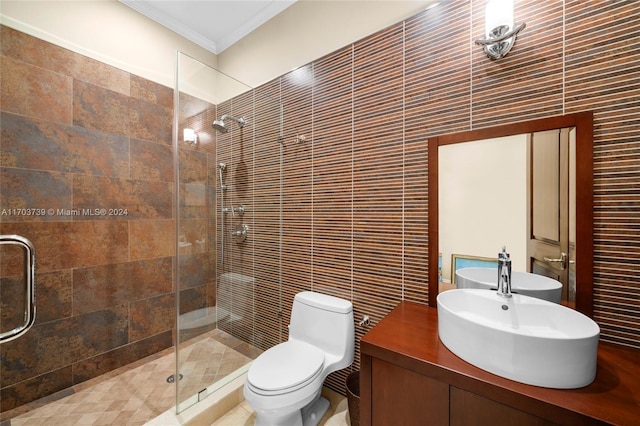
(503, 254)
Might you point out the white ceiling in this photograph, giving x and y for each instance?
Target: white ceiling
(212, 24)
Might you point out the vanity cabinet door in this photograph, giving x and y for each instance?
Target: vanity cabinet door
(469, 409)
(402, 397)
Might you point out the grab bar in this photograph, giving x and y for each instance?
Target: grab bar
(30, 293)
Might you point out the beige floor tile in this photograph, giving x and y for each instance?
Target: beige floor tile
(139, 392)
(122, 418)
(242, 414)
(107, 418)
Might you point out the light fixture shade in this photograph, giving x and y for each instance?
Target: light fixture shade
(500, 30)
(497, 13)
(189, 135)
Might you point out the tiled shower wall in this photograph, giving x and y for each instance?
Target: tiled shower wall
(197, 195)
(353, 197)
(79, 136)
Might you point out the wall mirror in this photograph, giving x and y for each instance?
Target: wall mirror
(492, 187)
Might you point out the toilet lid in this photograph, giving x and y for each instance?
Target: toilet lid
(285, 366)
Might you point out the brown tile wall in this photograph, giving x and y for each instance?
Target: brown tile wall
(78, 134)
(197, 172)
(269, 322)
(353, 199)
(603, 74)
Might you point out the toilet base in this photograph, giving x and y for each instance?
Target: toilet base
(313, 413)
(310, 415)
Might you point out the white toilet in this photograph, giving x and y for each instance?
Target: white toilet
(284, 383)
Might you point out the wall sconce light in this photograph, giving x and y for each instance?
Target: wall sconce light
(190, 136)
(499, 30)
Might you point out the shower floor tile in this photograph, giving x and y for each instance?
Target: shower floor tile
(139, 392)
(206, 361)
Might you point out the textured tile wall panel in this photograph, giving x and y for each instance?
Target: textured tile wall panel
(44, 145)
(528, 82)
(415, 272)
(142, 199)
(240, 183)
(50, 343)
(104, 145)
(42, 54)
(376, 102)
(196, 205)
(267, 208)
(602, 74)
(119, 357)
(54, 298)
(111, 285)
(333, 174)
(438, 72)
(378, 160)
(437, 100)
(36, 92)
(224, 153)
(150, 161)
(36, 388)
(35, 189)
(296, 98)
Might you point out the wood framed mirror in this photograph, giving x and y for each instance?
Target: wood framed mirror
(581, 253)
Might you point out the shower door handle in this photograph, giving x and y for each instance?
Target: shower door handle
(30, 283)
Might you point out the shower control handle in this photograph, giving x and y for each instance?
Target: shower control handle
(240, 233)
(233, 210)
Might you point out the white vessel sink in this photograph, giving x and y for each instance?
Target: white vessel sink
(520, 338)
(521, 282)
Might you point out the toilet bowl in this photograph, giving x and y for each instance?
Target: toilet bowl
(284, 383)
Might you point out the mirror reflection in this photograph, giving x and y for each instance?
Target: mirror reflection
(513, 192)
(526, 187)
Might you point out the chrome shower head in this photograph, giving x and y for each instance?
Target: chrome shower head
(221, 126)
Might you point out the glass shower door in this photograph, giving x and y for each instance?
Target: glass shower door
(215, 268)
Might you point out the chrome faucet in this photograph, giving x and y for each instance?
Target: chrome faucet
(504, 273)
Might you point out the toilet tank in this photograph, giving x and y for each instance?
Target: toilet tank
(325, 322)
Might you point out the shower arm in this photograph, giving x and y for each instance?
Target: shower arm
(241, 121)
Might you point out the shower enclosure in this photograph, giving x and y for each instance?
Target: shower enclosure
(147, 230)
(228, 198)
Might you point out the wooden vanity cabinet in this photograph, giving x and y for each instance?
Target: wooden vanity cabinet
(408, 377)
(470, 409)
(399, 391)
(403, 397)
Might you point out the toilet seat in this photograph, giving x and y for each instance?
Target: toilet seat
(285, 368)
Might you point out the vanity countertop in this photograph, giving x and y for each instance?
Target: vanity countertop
(408, 337)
